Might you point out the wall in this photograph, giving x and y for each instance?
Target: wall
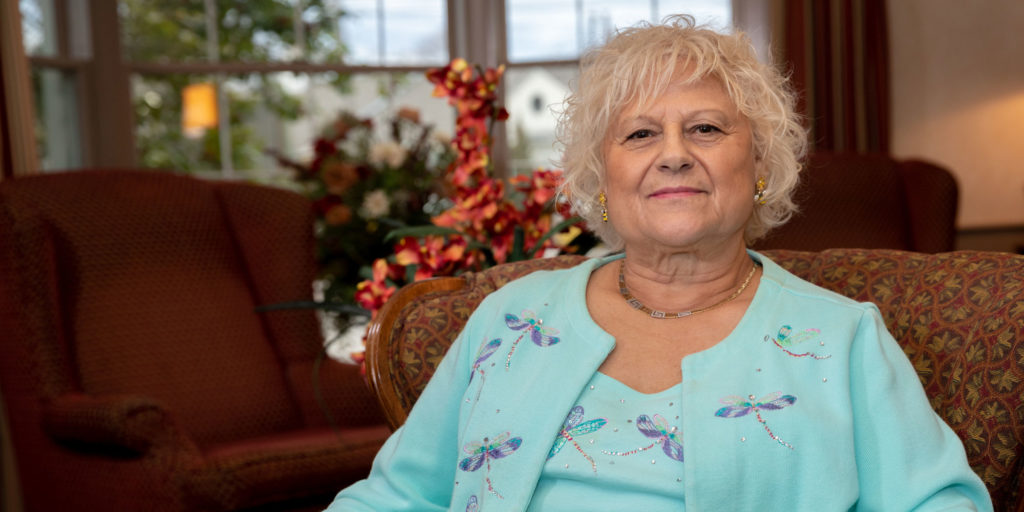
(958, 100)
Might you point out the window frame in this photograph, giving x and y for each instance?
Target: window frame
(476, 31)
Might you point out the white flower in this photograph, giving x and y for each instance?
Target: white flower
(376, 204)
(390, 153)
(344, 344)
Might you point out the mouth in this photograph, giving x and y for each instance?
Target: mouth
(674, 192)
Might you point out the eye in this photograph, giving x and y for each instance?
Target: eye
(640, 134)
(706, 129)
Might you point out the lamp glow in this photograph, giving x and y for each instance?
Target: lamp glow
(199, 109)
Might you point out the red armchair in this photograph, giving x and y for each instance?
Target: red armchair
(870, 201)
(136, 373)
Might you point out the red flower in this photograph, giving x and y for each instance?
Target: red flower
(451, 79)
(359, 358)
(436, 256)
(324, 204)
(538, 188)
(481, 211)
(474, 208)
(373, 293)
(324, 147)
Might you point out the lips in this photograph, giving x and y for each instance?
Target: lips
(670, 192)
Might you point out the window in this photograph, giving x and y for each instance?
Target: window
(282, 73)
(545, 37)
(278, 72)
(56, 77)
(395, 32)
(545, 30)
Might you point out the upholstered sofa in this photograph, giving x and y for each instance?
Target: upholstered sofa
(136, 372)
(959, 317)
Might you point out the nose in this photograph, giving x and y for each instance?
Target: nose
(675, 155)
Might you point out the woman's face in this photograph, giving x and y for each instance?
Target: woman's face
(680, 172)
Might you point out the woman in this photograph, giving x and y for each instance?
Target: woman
(687, 371)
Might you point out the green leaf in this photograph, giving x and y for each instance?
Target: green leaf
(517, 244)
(419, 232)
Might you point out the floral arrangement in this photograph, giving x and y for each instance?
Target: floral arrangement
(416, 206)
(490, 220)
(362, 188)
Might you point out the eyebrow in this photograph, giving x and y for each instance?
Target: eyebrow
(644, 117)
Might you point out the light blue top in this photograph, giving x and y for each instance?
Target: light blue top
(808, 405)
(616, 445)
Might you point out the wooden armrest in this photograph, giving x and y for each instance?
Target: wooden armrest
(379, 339)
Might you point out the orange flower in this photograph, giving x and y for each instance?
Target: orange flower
(469, 168)
(410, 114)
(451, 78)
(338, 176)
(338, 214)
(474, 208)
(472, 97)
(359, 358)
(481, 210)
(538, 189)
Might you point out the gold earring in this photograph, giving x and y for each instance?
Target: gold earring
(759, 194)
(604, 206)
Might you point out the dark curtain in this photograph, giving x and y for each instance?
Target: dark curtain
(838, 52)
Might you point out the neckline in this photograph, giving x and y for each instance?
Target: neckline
(664, 315)
(584, 324)
(604, 378)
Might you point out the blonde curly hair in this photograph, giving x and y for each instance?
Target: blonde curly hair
(636, 66)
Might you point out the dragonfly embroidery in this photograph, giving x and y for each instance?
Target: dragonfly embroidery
(659, 430)
(786, 339)
(481, 454)
(575, 426)
(737, 406)
(472, 505)
(486, 351)
(529, 324)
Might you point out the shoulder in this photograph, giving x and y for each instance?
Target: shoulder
(558, 297)
(545, 283)
(795, 288)
(800, 300)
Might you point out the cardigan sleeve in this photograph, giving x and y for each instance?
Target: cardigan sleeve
(907, 457)
(415, 469)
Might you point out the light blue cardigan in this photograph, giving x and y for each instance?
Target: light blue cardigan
(850, 427)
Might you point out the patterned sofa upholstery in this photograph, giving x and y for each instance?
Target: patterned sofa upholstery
(958, 316)
(136, 373)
